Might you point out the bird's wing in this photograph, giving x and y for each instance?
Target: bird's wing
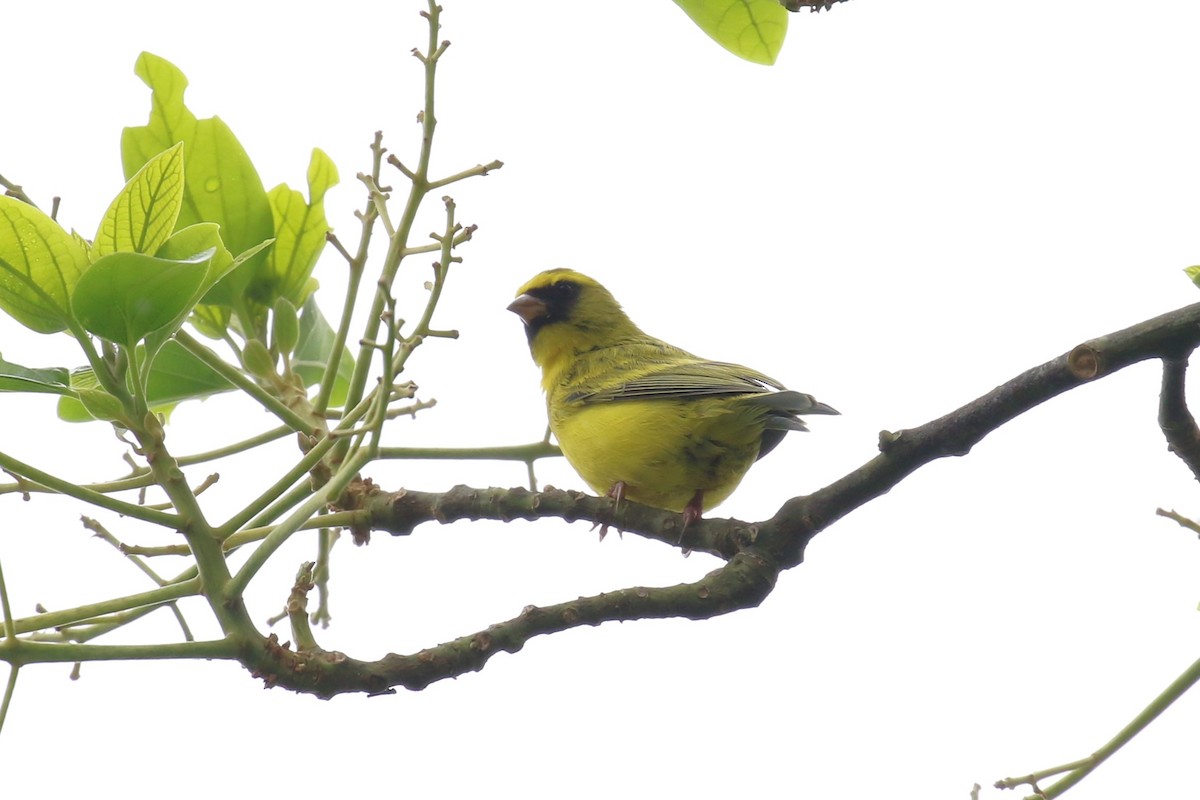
(685, 379)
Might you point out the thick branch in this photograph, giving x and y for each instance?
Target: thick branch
(1177, 423)
(755, 553)
(800, 518)
(785, 535)
(742, 583)
(400, 512)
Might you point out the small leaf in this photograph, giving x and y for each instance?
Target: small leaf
(257, 360)
(84, 244)
(194, 239)
(69, 407)
(1193, 273)
(71, 410)
(751, 29)
(15, 378)
(315, 351)
(100, 404)
(40, 263)
(178, 375)
(222, 293)
(300, 230)
(211, 320)
(141, 218)
(125, 296)
(285, 325)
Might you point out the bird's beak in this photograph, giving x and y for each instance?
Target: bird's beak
(528, 308)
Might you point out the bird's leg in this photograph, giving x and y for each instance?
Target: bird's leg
(617, 493)
(692, 511)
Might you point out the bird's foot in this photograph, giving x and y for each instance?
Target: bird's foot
(691, 513)
(617, 493)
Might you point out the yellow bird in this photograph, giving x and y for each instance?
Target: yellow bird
(638, 418)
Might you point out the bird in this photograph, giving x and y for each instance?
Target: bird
(638, 418)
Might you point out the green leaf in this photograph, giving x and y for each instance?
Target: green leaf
(70, 409)
(198, 238)
(125, 296)
(300, 229)
(212, 316)
(15, 378)
(211, 320)
(176, 375)
(99, 404)
(751, 29)
(40, 263)
(141, 218)
(222, 185)
(1193, 273)
(285, 326)
(315, 350)
(257, 359)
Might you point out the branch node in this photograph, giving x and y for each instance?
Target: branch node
(887, 439)
(1085, 362)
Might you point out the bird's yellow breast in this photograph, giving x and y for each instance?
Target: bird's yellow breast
(662, 450)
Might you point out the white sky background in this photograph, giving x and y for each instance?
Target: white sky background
(917, 203)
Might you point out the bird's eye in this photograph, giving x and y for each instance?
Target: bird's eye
(564, 292)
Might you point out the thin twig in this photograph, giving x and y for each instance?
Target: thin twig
(9, 690)
(13, 190)
(1080, 769)
(1183, 521)
(9, 628)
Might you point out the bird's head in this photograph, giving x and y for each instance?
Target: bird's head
(566, 312)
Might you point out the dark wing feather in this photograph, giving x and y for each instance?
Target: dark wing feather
(689, 379)
(695, 379)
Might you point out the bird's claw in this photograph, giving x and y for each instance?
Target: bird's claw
(691, 513)
(617, 493)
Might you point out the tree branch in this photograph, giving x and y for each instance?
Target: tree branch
(742, 583)
(1177, 423)
(755, 552)
(812, 5)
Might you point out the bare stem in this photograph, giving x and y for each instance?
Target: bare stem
(13, 190)
(1080, 769)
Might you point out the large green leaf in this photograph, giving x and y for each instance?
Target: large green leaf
(300, 229)
(15, 378)
(125, 296)
(40, 264)
(222, 184)
(315, 351)
(142, 217)
(751, 29)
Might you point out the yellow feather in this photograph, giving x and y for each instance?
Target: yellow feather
(677, 431)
